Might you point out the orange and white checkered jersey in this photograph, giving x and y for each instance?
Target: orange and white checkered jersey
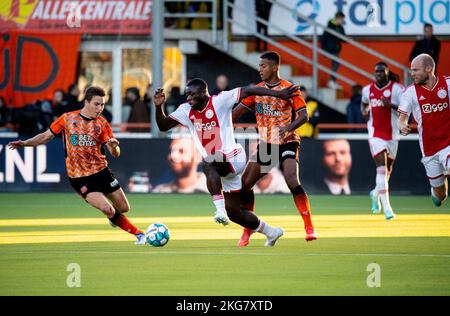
(273, 113)
(83, 139)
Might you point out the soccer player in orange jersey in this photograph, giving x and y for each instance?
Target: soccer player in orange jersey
(277, 122)
(84, 133)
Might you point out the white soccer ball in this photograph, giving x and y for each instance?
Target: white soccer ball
(157, 235)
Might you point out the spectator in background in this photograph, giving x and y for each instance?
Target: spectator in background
(59, 105)
(5, 116)
(46, 116)
(263, 12)
(140, 112)
(148, 95)
(354, 114)
(332, 44)
(312, 107)
(72, 98)
(173, 101)
(221, 84)
(26, 120)
(428, 45)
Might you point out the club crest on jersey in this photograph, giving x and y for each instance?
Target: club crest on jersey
(442, 93)
(209, 114)
(82, 140)
(386, 93)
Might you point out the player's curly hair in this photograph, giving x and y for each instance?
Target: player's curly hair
(93, 92)
(391, 75)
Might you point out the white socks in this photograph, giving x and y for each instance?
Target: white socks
(264, 228)
(219, 202)
(382, 188)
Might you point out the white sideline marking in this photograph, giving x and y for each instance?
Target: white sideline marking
(239, 253)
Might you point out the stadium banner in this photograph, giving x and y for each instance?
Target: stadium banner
(336, 166)
(34, 65)
(77, 17)
(369, 17)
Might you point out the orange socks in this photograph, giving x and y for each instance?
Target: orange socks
(302, 203)
(124, 223)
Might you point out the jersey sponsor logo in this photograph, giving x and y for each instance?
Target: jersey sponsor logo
(442, 93)
(82, 140)
(266, 110)
(386, 93)
(376, 103)
(431, 108)
(205, 126)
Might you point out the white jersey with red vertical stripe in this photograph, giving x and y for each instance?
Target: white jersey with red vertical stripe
(431, 111)
(382, 122)
(212, 127)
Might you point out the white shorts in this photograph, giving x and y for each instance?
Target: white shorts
(237, 159)
(437, 167)
(378, 145)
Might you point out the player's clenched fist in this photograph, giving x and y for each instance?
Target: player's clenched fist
(113, 142)
(159, 97)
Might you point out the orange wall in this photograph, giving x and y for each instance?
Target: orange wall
(397, 50)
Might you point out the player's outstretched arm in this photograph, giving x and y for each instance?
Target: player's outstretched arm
(285, 94)
(403, 124)
(39, 139)
(164, 122)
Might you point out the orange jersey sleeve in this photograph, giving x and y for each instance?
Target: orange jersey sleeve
(298, 102)
(107, 132)
(58, 125)
(249, 102)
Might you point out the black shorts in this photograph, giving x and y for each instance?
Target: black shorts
(102, 181)
(265, 157)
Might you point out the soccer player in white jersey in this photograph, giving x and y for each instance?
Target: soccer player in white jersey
(428, 100)
(380, 101)
(210, 123)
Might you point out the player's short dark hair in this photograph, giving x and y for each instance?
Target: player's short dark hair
(273, 56)
(198, 83)
(381, 63)
(93, 92)
(339, 14)
(428, 25)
